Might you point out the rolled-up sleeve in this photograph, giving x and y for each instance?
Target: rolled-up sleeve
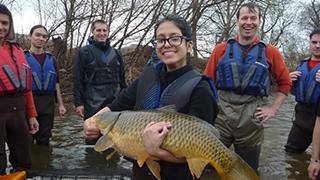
(278, 69)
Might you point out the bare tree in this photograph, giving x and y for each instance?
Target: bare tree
(310, 15)
(294, 51)
(8, 3)
(216, 24)
(131, 22)
(275, 20)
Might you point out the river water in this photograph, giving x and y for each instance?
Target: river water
(68, 155)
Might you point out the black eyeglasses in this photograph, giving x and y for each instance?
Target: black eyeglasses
(173, 41)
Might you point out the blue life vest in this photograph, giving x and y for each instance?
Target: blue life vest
(306, 89)
(244, 74)
(149, 95)
(44, 77)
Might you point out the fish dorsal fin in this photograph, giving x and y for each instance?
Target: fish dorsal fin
(154, 168)
(103, 143)
(196, 166)
(110, 155)
(169, 108)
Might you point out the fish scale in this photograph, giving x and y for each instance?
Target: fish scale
(188, 137)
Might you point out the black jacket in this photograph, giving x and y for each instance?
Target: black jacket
(98, 76)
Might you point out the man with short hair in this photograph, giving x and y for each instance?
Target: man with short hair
(45, 83)
(241, 69)
(98, 73)
(306, 90)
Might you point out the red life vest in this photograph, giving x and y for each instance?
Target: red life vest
(15, 73)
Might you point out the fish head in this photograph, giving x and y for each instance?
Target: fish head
(105, 120)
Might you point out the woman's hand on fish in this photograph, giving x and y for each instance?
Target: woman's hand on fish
(152, 139)
(153, 136)
(105, 109)
(90, 129)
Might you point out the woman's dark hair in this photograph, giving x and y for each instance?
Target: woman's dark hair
(180, 22)
(36, 27)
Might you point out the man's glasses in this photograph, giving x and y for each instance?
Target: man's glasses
(173, 41)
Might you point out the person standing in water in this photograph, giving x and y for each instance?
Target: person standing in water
(241, 69)
(45, 84)
(16, 100)
(98, 73)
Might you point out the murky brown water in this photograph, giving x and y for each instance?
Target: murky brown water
(69, 155)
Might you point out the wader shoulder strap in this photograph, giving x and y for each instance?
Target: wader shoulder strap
(102, 57)
(179, 92)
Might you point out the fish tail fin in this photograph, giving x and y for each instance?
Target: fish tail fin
(241, 171)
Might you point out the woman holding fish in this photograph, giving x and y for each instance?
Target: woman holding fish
(171, 81)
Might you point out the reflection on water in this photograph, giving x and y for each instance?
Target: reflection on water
(68, 153)
(275, 163)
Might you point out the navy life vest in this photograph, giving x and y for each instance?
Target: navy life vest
(244, 74)
(149, 95)
(15, 73)
(44, 77)
(306, 89)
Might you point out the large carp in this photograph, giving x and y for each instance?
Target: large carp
(188, 137)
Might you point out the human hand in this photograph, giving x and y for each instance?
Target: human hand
(313, 170)
(153, 136)
(318, 76)
(80, 110)
(105, 109)
(265, 113)
(34, 125)
(295, 75)
(90, 129)
(62, 110)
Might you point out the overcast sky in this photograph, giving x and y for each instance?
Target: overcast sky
(24, 18)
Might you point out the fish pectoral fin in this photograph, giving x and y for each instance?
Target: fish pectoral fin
(154, 168)
(110, 155)
(103, 143)
(196, 166)
(141, 160)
